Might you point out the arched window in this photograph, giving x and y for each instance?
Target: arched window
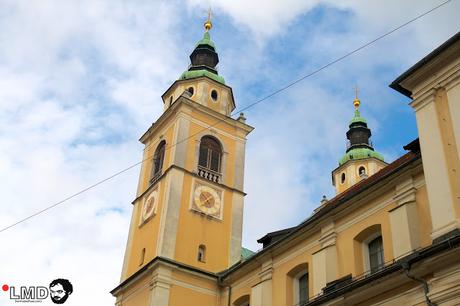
(242, 301)
(368, 250)
(297, 284)
(158, 158)
(303, 288)
(201, 253)
(376, 259)
(362, 170)
(210, 154)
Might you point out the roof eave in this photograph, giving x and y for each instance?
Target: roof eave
(397, 83)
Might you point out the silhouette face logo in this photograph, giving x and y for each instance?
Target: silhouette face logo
(60, 289)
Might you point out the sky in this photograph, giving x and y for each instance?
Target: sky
(80, 81)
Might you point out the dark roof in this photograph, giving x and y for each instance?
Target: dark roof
(272, 237)
(396, 83)
(413, 146)
(337, 201)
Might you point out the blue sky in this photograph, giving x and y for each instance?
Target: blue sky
(80, 81)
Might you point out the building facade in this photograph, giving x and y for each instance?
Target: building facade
(391, 235)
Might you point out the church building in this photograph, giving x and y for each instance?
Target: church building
(390, 236)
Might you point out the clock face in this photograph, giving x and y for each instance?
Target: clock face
(150, 204)
(207, 200)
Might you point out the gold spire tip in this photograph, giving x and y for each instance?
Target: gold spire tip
(208, 23)
(356, 101)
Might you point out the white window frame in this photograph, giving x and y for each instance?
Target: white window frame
(365, 246)
(296, 288)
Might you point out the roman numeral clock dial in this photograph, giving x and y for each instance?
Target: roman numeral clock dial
(207, 200)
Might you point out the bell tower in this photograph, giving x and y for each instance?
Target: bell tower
(189, 204)
(360, 159)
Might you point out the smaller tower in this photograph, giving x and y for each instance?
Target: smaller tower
(360, 159)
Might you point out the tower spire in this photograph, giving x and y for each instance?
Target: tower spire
(356, 101)
(360, 159)
(358, 136)
(204, 57)
(208, 23)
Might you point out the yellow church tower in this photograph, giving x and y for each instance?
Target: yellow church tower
(188, 210)
(360, 159)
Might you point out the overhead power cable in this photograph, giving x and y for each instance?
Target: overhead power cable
(237, 111)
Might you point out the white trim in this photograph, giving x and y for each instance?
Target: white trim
(193, 287)
(365, 215)
(366, 171)
(223, 159)
(296, 288)
(221, 132)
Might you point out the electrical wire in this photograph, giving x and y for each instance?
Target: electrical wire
(222, 120)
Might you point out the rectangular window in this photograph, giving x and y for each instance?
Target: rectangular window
(376, 259)
(303, 289)
(215, 159)
(203, 161)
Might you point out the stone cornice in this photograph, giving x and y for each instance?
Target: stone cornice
(224, 186)
(183, 101)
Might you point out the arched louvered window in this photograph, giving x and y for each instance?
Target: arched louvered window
(210, 154)
(158, 159)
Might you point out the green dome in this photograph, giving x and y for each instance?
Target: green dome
(360, 153)
(206, 40)
(357, 118)
(199, 73)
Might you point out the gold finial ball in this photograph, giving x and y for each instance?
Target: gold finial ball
(208, 25)
(356, 103)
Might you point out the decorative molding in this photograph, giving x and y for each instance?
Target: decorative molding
(266, 271)
(194, 288)
(423, 100)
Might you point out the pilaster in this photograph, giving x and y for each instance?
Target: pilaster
(261, 294)
(435, 165)
(325, 260)
(404, 219)
(159, 286)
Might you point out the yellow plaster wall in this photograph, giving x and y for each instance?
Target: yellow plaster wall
(349, 251)
(425, 226)
(196, 132)
(195, 229)
(146, 235)
(195, 279)
(149, 153)
(137, 295)
(180, 296)
(351, 170)
(346, 245)
(283, 277)
(202, 88)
